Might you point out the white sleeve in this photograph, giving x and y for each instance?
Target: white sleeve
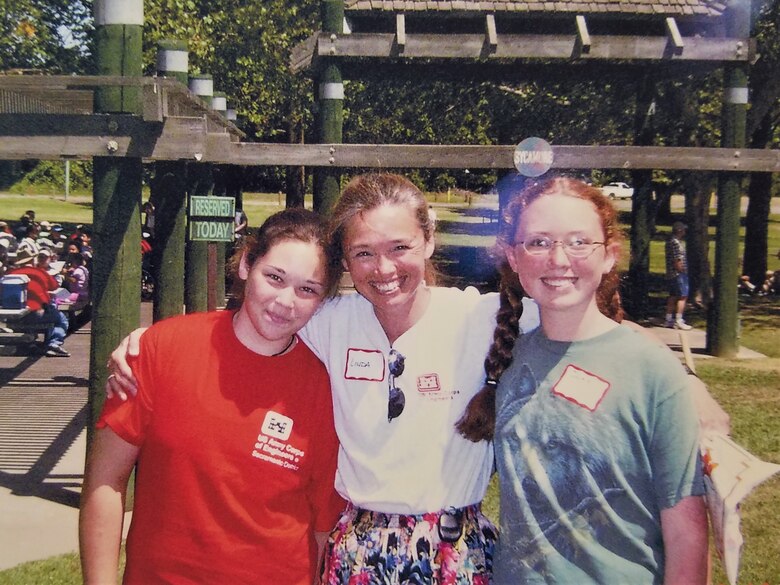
(529, 320)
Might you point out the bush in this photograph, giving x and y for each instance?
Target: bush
(51, 174)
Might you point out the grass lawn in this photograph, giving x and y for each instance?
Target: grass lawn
(749, 390)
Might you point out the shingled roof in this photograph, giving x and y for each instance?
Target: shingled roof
(681, 8)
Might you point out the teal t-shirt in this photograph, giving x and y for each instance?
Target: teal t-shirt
(593, 439)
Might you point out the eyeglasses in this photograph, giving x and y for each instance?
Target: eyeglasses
(574, 248)
(396, 399)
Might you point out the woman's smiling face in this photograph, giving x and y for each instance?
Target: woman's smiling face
(385, 251)
(558, 282)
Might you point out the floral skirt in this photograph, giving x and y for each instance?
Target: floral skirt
(373, 548)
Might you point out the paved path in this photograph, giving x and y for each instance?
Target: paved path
(43, 444)
(43, 412)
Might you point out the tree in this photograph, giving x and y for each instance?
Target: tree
(246, 47)
(763, 125)
(50, 35)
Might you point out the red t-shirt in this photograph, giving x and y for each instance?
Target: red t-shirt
(41, 282)
(237, 460)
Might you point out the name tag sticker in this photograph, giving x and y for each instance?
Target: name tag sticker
(428, 383)
(581, 387)
(365, 364)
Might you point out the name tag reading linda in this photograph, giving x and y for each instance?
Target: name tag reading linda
(365, 364)
(581, 387)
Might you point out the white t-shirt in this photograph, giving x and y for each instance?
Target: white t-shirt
(417, 462)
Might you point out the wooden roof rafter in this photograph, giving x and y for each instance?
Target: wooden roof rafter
(644, 50)
(71, 98)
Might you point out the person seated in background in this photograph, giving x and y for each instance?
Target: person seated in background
(76, 280)
(42, 309)
(57, 237)
(3, 257)
(148, 224)
(20, 231)
(86, 242)
(7, 237)
(771, 283)
(30, 241)
(73, 247)
(44, 261)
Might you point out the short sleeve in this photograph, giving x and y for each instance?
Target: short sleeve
(674, 447)
(326, 502)
(131, 418)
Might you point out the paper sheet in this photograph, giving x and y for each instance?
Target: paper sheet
(730, 474)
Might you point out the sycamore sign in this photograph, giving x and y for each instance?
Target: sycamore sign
(211, 219)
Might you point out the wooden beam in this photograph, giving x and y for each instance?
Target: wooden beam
(583, 36)
(497, 72)
(550, 47)
(400, 31)
(185, 141)
(490, 30)
(674, 36)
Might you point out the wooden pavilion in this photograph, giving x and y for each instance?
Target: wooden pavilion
(122, 119)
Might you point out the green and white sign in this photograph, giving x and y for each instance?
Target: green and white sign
(211, 219)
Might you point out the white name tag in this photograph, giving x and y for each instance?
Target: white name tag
(581, 387)
(365, 364)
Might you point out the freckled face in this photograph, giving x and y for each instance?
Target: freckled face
(385, 252)
(557, 282)
(283, 290)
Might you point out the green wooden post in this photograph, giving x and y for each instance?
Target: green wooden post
(200, 182)
(723, 320)
(116, 265)
(169, 196)
(219, 105)
(641, 205)
(327, 181)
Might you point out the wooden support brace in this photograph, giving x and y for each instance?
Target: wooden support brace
(583, 36)
(674, 36)
(490, 30)
(400, 30)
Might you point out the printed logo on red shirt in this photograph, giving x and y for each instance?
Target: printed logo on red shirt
(271, 444)
(277, 425)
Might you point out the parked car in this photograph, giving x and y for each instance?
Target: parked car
(618, 191)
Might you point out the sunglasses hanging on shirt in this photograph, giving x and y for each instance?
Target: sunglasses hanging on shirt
(395, 399)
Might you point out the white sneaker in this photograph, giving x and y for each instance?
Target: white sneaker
(669, 324)
(682, 325)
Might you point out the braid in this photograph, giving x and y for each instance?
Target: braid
(608, 296)
(479, 421)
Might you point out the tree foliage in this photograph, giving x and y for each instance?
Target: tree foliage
(763, 131)
(53, 35)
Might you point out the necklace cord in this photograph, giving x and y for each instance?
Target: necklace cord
(286, 347)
